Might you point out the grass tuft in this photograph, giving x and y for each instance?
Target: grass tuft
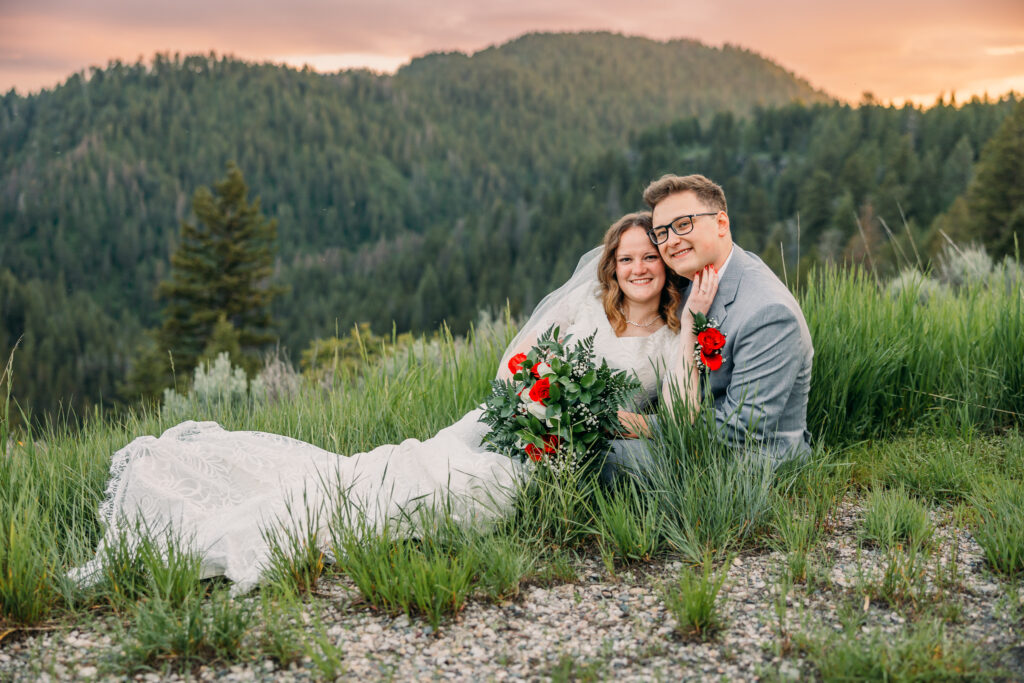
(627, 521)
(177, 637)
(1000, 530)
(424, 576)
(296, 558)
(691, 599)
(892, 517)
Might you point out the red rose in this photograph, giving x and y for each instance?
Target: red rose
(515, 363)
(710, 340)
(540, 390)
(551, 443)
(534, 452)
(712, 362)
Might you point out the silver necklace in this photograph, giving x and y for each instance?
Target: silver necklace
(635, 324)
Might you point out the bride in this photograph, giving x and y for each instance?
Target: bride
(223, 490)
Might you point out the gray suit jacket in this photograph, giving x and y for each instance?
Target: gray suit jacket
(760, 392)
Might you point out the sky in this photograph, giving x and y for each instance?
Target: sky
(911, 50)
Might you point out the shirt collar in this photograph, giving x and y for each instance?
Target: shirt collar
(725, 265)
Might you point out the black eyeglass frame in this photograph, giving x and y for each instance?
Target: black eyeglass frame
(671, 226)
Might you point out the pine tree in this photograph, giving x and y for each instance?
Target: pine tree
(995, 198)
(220, 270)
(224, 339)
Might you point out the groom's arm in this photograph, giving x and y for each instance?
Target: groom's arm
(767, 359)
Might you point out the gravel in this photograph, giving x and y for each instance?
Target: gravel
(598, 626)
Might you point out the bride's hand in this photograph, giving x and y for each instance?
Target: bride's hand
(702, 292)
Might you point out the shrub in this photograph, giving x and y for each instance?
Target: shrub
(962, 267)
(912, 282)
(215, 385)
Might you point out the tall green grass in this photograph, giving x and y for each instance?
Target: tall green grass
(5, 410)
(884, 366)
(711, 500)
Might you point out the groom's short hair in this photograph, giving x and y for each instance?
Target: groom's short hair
(708, 192)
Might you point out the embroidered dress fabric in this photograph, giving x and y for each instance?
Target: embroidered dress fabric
(224, 492)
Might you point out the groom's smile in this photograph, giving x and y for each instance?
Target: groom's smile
(681, 253)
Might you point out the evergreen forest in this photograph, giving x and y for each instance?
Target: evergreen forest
(459, 184)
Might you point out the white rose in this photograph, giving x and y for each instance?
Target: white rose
(543, 369)
(537, 409)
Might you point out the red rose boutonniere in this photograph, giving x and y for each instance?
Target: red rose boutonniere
(710, 342)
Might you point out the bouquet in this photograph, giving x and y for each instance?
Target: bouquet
(559, 409)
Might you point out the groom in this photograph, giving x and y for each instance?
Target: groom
(760, 390)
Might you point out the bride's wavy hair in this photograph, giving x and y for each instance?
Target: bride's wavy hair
(612, 296)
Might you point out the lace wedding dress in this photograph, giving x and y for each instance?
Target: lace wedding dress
(221, 491)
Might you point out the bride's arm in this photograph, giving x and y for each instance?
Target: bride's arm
(684, 380)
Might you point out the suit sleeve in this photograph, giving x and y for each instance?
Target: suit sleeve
(768, 355)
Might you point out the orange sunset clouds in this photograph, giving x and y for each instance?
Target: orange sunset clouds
(914, 50)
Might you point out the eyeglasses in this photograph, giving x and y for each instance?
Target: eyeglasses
(680, 226)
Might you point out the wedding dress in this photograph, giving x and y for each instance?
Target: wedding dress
(221, 491)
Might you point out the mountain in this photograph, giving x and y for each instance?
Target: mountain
(97, 174)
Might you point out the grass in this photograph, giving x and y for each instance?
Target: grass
(627, 522)
(296, 558)
(710, 500)
(569, 668)
(903, 581)
(924, 652)
(1000, 531)
(797, 530)
(894, 518)
(281, 639)
(176, 636)
(692, 599)
(5, 412)
(431, 576)
(28, 568)
(912, 405)
(885, 366)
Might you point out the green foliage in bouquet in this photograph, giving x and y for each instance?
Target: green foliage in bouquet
(559, 409)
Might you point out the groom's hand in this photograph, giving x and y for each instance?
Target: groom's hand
(702, 292)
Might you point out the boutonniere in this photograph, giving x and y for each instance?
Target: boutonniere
(710, 341)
